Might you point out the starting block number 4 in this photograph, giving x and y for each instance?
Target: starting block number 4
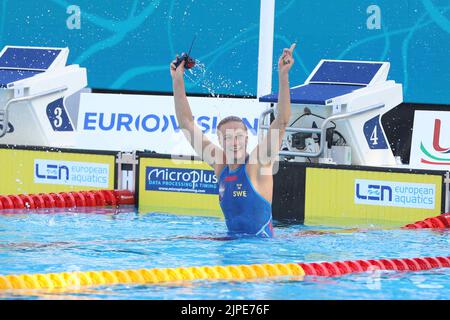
(374, 134)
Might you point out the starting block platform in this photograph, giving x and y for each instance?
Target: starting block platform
(36, 87)
(343, 98)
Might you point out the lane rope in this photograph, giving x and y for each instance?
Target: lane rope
(94, 198)
(441, 221)
(231, 273)
(147, 276)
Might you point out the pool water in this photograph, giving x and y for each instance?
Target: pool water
(107, 240)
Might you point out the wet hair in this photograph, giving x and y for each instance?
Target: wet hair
(230, 119)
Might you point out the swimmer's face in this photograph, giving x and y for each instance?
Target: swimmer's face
(233, 139)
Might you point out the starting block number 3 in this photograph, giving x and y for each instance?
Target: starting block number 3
(58, 117)
(57, 121)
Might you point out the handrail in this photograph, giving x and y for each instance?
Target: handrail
(321, 131)
(4, 117)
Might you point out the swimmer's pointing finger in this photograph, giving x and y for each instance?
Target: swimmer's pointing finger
(291, 49)
(287, 54)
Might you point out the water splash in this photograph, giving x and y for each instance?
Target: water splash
(200, 76)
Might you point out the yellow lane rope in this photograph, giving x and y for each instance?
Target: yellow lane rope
(147, 276)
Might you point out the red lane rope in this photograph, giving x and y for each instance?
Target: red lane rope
(94, 198)
(338, 268)
(39, 201)
(441, 221)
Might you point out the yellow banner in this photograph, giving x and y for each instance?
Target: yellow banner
(29, 171)
(165, 185)
(353, 197)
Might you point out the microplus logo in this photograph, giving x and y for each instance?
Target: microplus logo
(395, 194)
(181, 180)
(71, 173)
(150, 122)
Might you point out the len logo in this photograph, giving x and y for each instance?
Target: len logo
(375, 192)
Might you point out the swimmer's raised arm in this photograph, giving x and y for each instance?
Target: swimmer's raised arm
(208, 151)
(267, 150)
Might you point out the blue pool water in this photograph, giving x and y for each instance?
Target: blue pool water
(74, 241)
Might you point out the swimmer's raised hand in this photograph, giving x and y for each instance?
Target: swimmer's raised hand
(286, 60)
(177, 72)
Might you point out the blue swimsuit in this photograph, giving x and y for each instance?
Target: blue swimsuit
(246, 211)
